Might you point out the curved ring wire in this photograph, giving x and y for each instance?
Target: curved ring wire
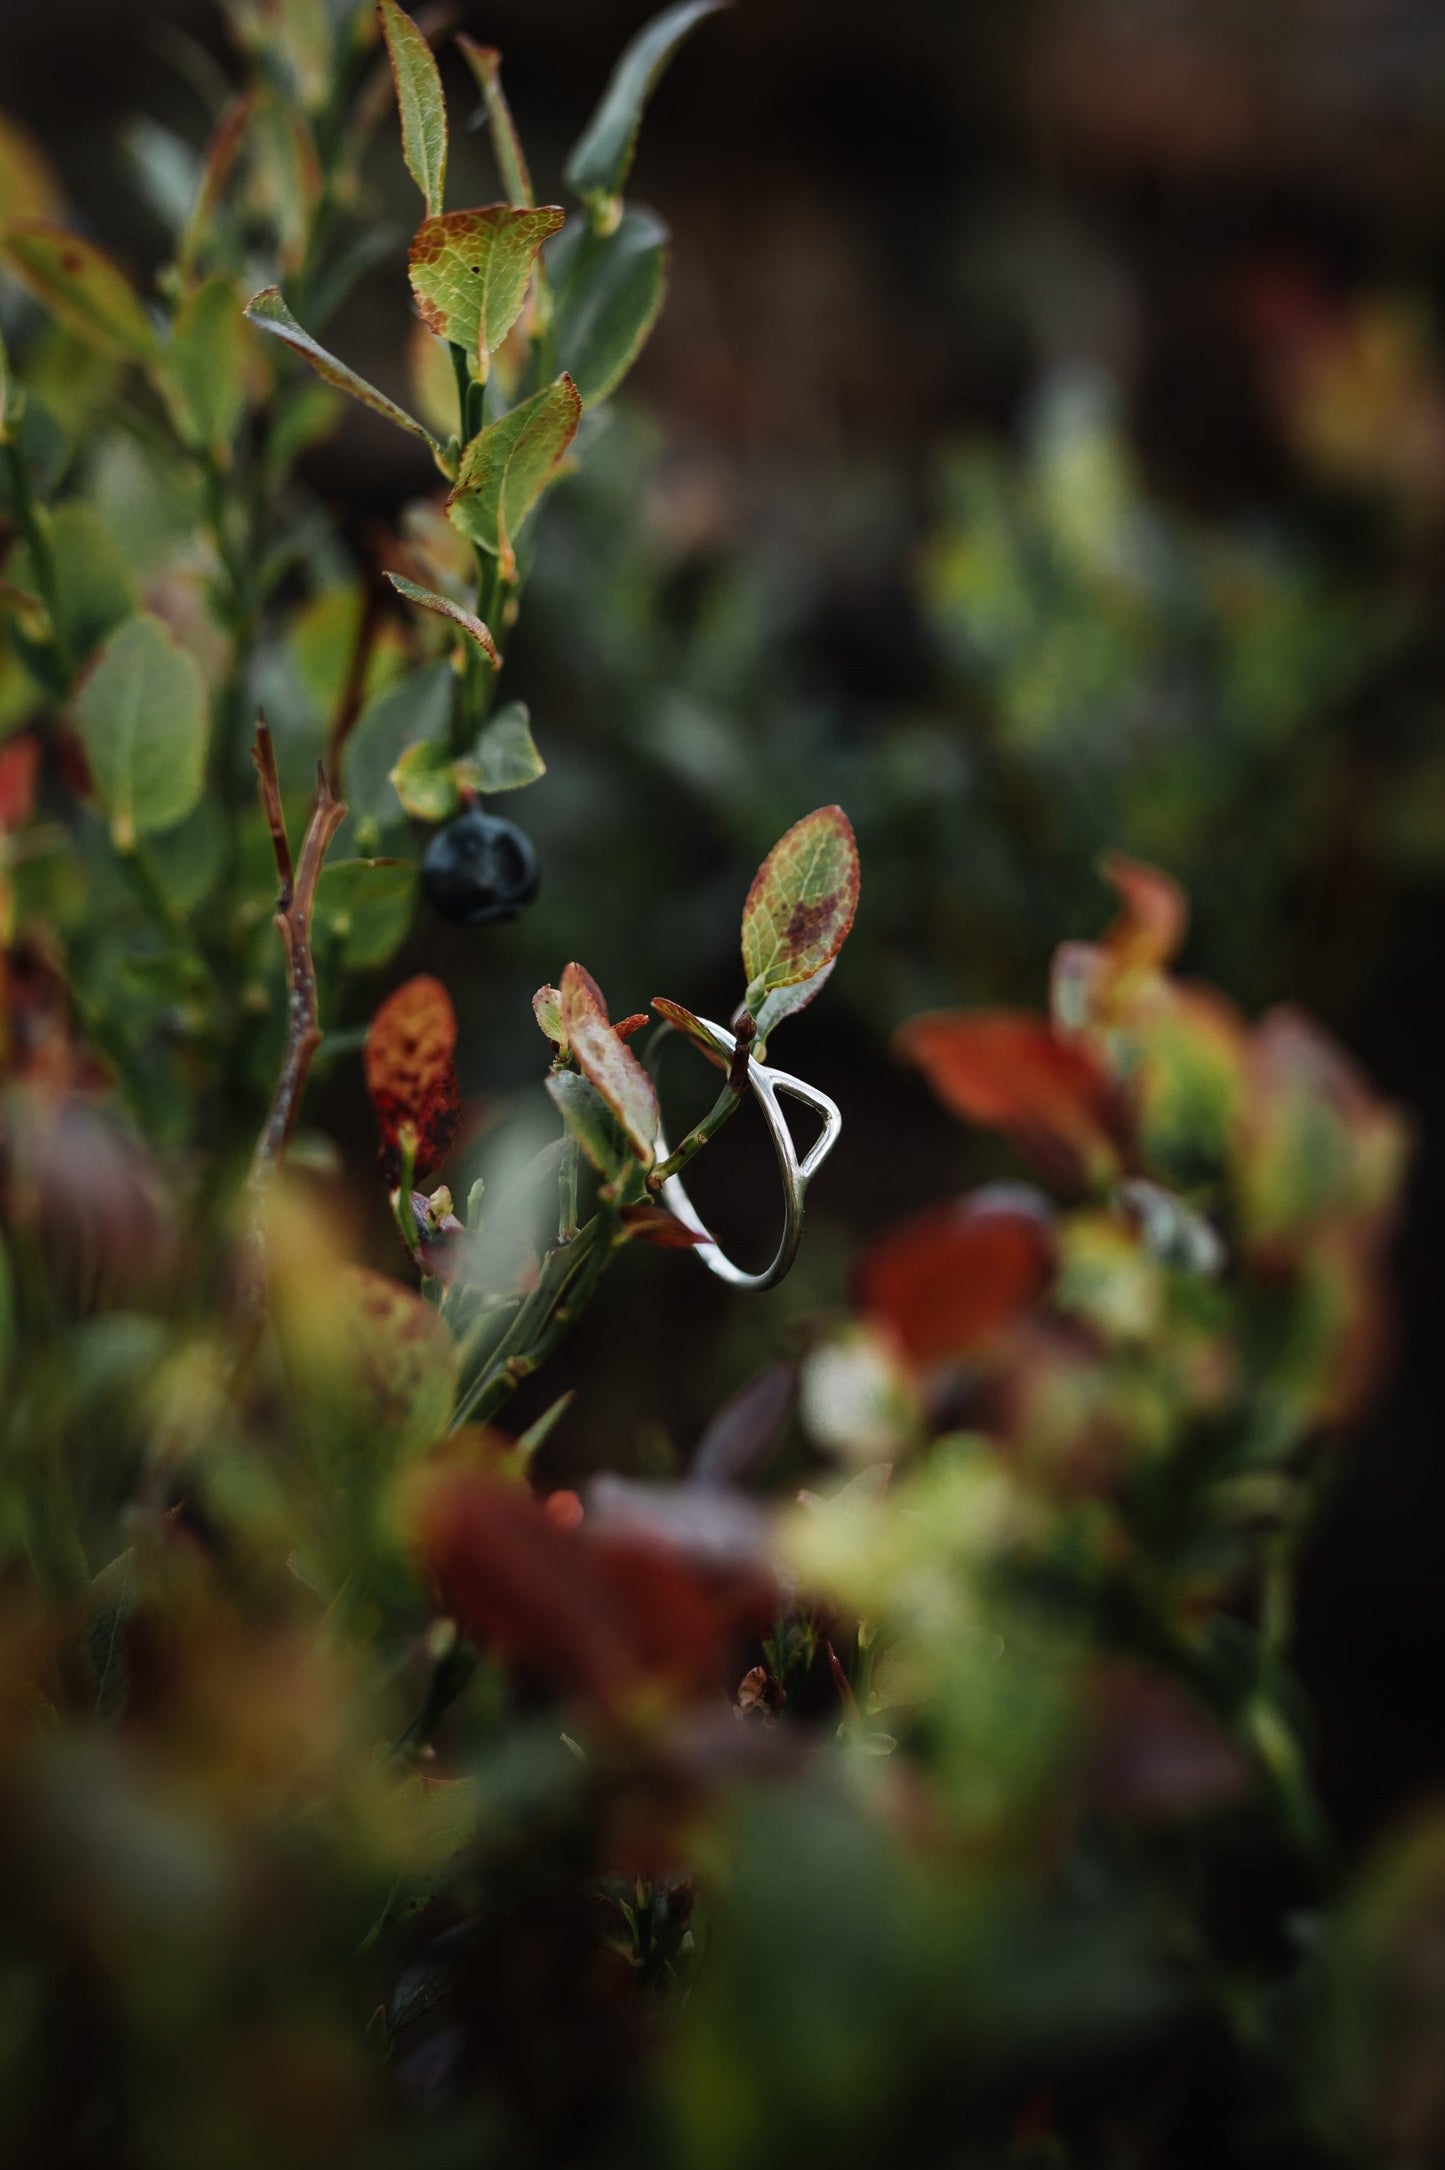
(767, 1085)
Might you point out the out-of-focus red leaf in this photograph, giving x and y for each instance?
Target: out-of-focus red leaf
(946, 1279)
(411, 1076)
(606, 1063)
(654, 1224)
(610, 1616)
(1013, 1072)
(19, 764)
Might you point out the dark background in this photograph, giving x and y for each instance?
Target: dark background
(889, 223)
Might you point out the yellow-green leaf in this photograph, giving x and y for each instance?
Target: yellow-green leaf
(505, 756)
(204, 366)
(442, 606)
(82, 289)
(469, 272)
(420, 101)
(141, 713)
(505, 470)
(425, 779)
(28, 185)
(271, 313)
(801, 904)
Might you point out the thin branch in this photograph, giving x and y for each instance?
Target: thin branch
(294, 907)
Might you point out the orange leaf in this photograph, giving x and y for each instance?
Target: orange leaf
(1012, 1072)
(1148, 932)
(946, 1279)
(607, 1065)
(411, 1077)
(627, 1028)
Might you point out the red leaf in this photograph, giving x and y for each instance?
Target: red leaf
(692, 1028)
(1012, 1072)
(654, 1224)
(602, 1616)
(947, 1279)
(411, 1077)
(628, 1027)
(19, 761)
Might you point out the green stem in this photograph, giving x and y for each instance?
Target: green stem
(33, 529)
(726, 1104)
(569, 1277)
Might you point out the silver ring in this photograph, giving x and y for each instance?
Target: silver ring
(767, 1085)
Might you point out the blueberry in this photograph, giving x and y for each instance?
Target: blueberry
(479, 868)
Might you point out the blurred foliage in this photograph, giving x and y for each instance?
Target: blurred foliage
(917, 1766)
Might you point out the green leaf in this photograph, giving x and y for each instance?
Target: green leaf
(419, 97)
(601, 158)
(801, 904)
(7, 409)
(786, 1002)
(269, 310)
(485, 63)
(505, 470)
(373, 1368)
(141, 712)
(9, 1337)
(411, 709)
(586, 1119)
(95, 589)
(365, 906)
(608, 292)
(469, 272)
(82, 289)
(204, 367)
(425, 779)
(505, 756)
(444, 607)
(189, 859)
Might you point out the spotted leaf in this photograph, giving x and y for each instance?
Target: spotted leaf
(801, 905)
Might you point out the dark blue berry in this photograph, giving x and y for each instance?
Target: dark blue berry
(479, 868)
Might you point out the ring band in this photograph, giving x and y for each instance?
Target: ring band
(767, 1086)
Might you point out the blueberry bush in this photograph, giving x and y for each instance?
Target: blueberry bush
(914, 1765)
